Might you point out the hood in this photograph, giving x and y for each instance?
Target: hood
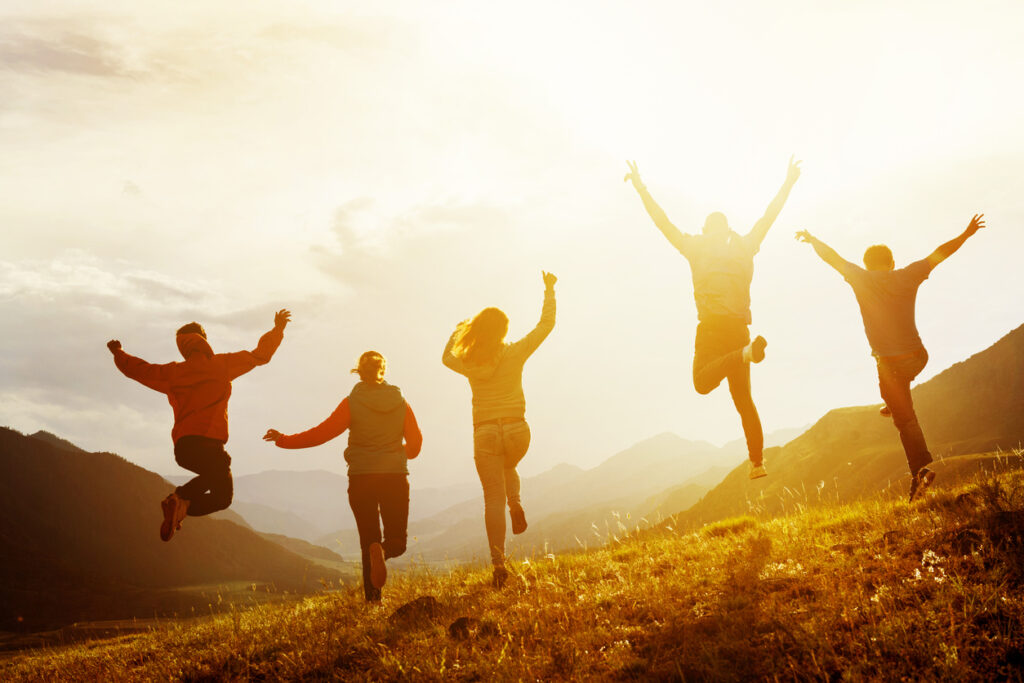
(193, 342)
(382, 398)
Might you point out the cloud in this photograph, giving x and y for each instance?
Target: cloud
(45, 46)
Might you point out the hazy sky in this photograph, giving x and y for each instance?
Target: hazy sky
(387, 169)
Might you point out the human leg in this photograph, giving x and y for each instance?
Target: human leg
(487, 455)
(362, 498)
(739, 389)
(515, 444)
(894, 378)
(212, 489)
(717, 352)
(394, 513)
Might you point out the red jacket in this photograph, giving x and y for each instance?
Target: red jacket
(199, 387)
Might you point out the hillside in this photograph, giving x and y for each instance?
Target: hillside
(876, 590)
(975, 405)
(78, 534)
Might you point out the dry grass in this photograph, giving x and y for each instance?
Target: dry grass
(875, 590)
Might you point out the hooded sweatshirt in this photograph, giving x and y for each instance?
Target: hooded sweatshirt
(378, 418)
(199, 387)
(498, 385)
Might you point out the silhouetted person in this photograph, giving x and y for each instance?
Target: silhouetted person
(377, 418)
(887, 298)
(722, 264)
(198, 390)
(501, 435)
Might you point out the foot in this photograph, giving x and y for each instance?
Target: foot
(169, 505)
(884, 411)
(754, 351)
(500, 577)
(378, 570)
(757, 471)
(920, 483)
(180, 513)
(518, 516)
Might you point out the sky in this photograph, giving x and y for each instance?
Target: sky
(385, 170)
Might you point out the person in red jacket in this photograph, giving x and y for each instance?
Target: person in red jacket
(198, 390)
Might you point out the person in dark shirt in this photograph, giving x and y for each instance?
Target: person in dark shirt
(887, 296)
(722, 265)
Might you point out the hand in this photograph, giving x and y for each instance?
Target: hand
(976, 224)
(272, 435)
(549, 279)
(114, 345)
(804, 236)
(793, 172)
(282, 318)
(634, 175)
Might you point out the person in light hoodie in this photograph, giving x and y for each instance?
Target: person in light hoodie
(382, 437)
(501, 435)
(198, 390)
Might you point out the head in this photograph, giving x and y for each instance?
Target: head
(715, 225)
(371, 367)
(879, 257)
(191, 339)
(192, 328)
(480, 339)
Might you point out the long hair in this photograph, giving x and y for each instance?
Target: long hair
(371, 367)
(478, 341)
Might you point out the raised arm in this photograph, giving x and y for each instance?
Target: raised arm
(241, 362)
(760, 229)
(528, 344)
(448, 357)
(949, 248)
(411, 433)
(827, 253)
(333, 426)
(676, 237)
(150, 375)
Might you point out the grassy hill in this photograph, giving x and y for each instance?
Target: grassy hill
(876, 589)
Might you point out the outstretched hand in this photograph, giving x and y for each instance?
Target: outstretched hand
(793, 172)
(272, 435)
(634, 175)
(976, 224)
(549, 279)
(282, 318)
(114, 345)
(804, 236)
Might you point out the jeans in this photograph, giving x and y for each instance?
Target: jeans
(497, 449)
(375, 499)
(895, 373)
(212, 489)
(718, 355)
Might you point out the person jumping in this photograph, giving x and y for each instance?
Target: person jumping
(722, 265)
(887, 298)
(198, 390)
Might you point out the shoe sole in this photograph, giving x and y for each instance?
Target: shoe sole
(757, 349)
(518, 523)
(167, 526)
(378, 569)
(761, 475)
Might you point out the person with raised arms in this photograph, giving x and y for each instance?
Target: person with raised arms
(722, 265)
(887, 297)
(501, 436)
(198, 390)
(382, 437)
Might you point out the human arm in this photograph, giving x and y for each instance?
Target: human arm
(827, 253)
(448, 357)
(675, 236)
(528, 344)
(241, 362)
(333, 426)
(411, 433)
(760, 229)
(153, 376)
(949, 248)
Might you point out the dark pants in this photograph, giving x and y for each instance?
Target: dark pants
(213, 489)
(718, 355)
(379, 499)
(895, 373)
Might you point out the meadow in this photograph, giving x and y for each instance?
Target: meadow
(878, 589)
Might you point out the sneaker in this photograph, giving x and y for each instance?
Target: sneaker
(169, 505)
(754, 351)
(757, 471)
(920, 483)
(518, 516)
(884, 411)
(500, 577)
(181, 512)
(378, 570)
